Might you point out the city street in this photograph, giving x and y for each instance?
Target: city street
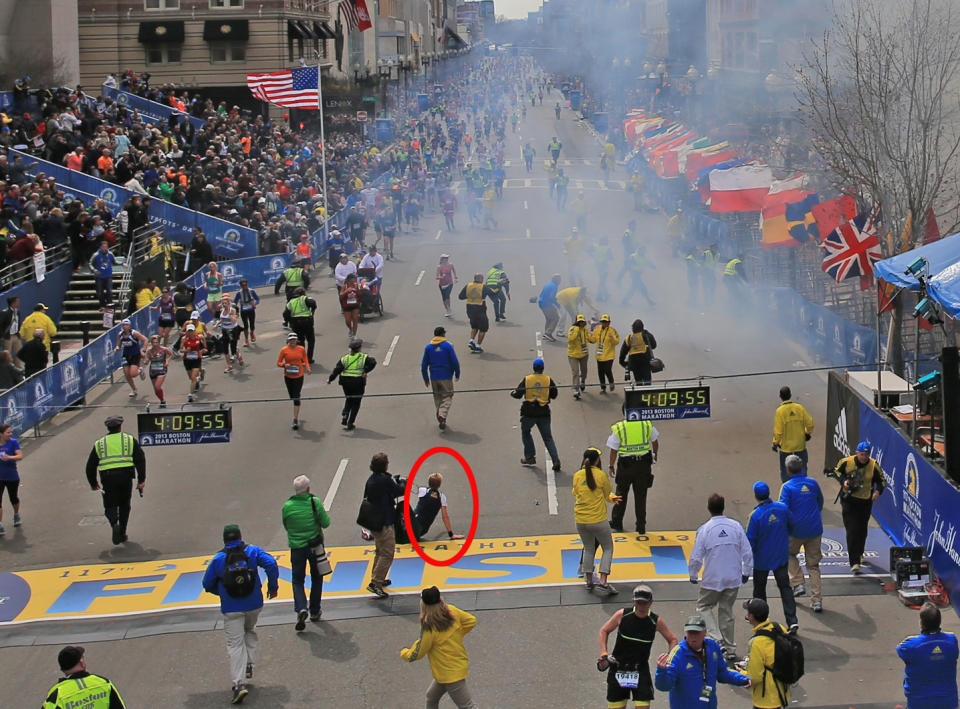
(535, 643)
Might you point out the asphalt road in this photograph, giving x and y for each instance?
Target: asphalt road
(522, 656)
(519, 657)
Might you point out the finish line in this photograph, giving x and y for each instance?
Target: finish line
(117, 590)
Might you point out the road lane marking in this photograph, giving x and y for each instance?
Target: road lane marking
(386, 360)
(527, 182)
(539, 340)
(335, 485)
(552, 506)
(437, 237)
(528, 232)
(419, 278)
(525, 204)
(533, 276)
